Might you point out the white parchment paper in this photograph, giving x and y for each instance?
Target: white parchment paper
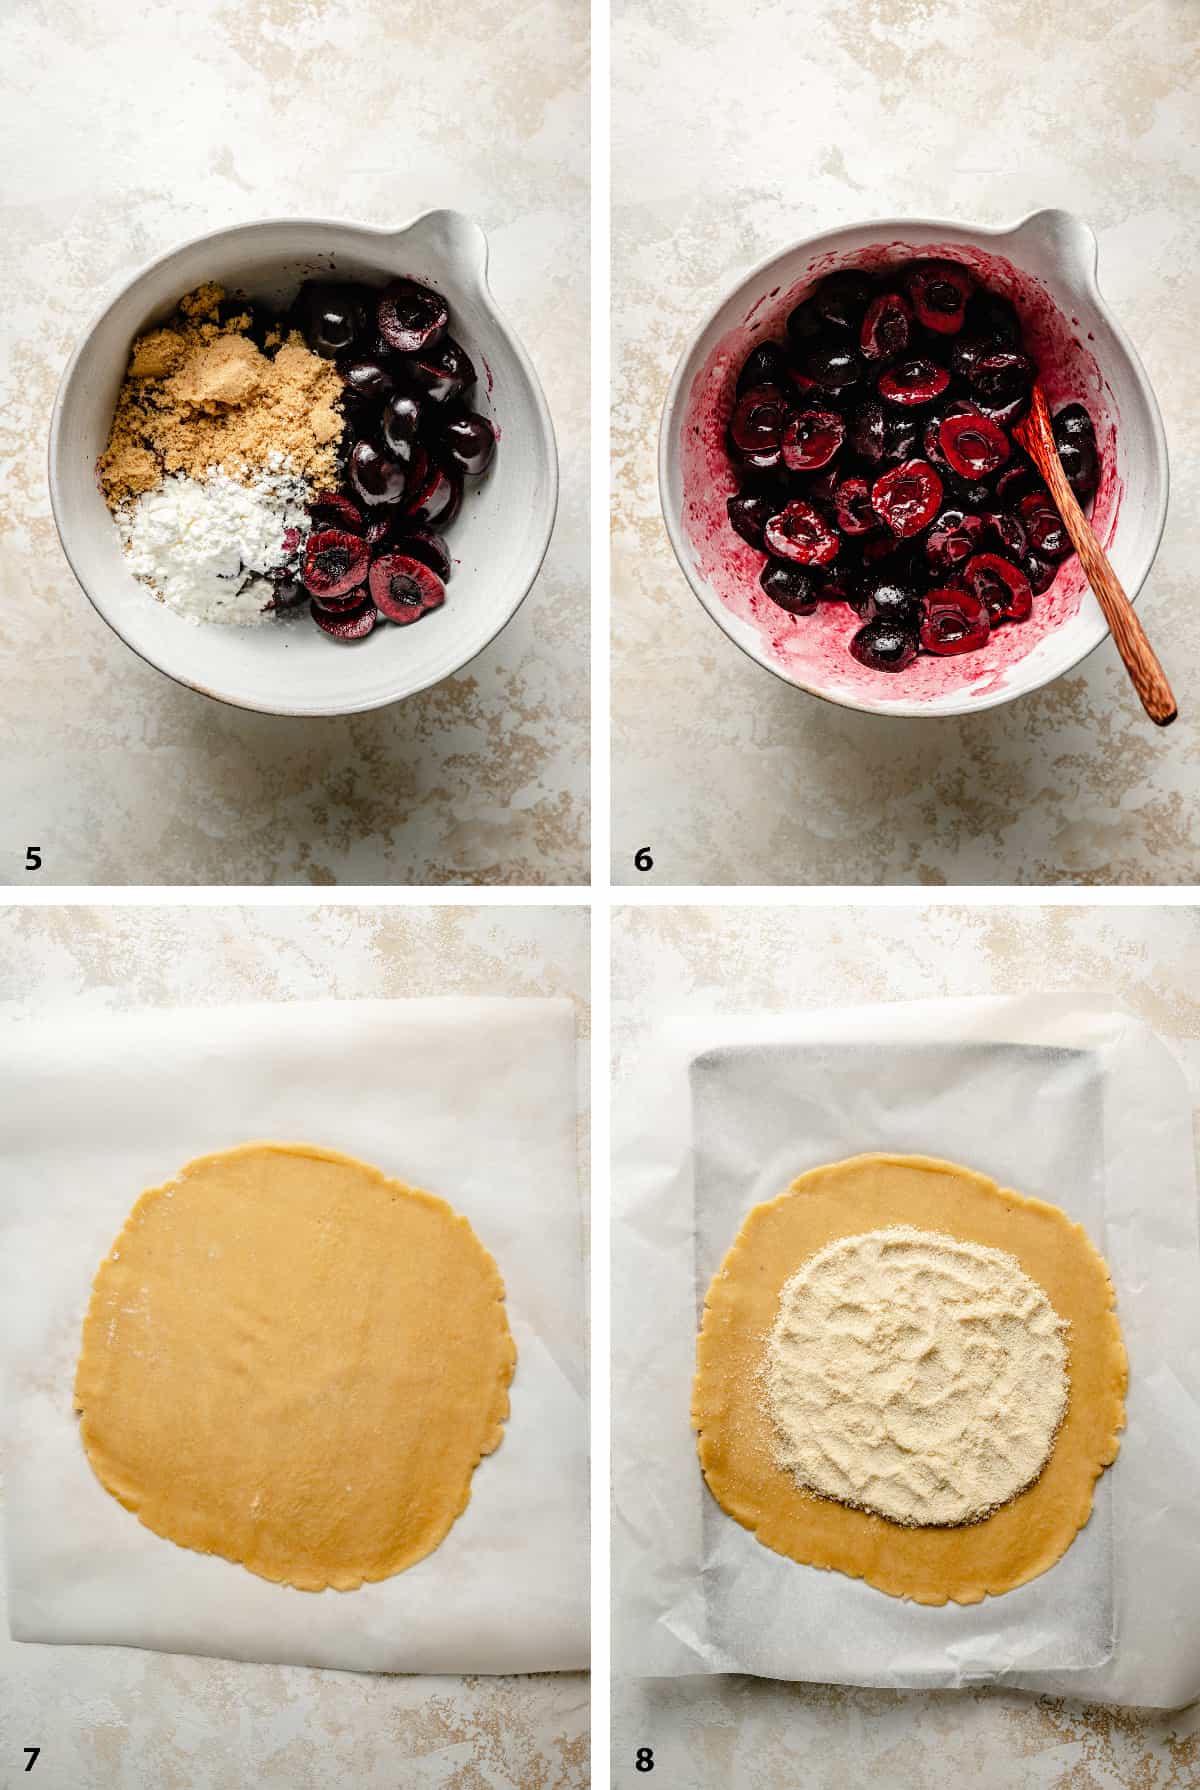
(472, 1099)
(1062, 1098)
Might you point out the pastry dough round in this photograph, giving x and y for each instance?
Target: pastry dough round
(736, 1440)
(293, 1362)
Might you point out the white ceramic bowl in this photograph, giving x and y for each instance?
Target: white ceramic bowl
(497, 542)
(1047, 264)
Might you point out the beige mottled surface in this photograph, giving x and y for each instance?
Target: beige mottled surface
(740, 129)
(114, 1718)
(126, 129)
(739, 1733)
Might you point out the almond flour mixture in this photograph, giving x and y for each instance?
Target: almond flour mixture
(916, 1376)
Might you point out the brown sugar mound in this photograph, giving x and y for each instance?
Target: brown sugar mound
(199, 392)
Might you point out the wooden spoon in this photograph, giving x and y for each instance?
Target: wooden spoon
(1149, 679)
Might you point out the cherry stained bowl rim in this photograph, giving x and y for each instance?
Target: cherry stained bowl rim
(1071, 246)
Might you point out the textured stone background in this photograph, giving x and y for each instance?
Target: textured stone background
(751, 1734)
(739, 129)
(117, 1718)
(126, 129)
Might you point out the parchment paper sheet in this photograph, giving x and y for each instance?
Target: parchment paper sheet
(1063, 1098)
(471, 1099)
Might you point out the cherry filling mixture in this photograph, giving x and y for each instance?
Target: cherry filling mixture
(876, 463)
(411, 439)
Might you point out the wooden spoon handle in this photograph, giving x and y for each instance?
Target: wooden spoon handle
(1147, 675)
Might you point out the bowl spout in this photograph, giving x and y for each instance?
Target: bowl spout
(451, 237)
(1062, 240)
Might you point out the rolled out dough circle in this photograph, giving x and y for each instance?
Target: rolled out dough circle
(293, 1362)
(736, 1437)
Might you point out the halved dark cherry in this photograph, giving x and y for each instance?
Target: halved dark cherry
(842, 584)
(790, 586)
(436, 500)
(1081, 467)
(1001, 384)
(908, 497)
(855, 512)
(402, 417)
(1001, 585)
(1073, 422)
(811, 439)
(412, 318)
(757, 425)
(902, 434)
(972, 495)
(801, 534)
(835, 368)
(884, 646)
(954, 537)
(802, 390)
(1040, 573)
(1075, 439)
(444, 372)
(1044, 526)
(841, 298)
(868, 431)
(329, 509)
(883, 544)
(404, 589)
(375, 477)
(804, 325)
(1017, 481)
(444, 516)
(355, 624)
(765, 365)
(366, 381)
(939, 291)
(340, 605)
(821, 489)
(330, 316)
(749, 513)
(425, 545)
(992, 319)
(886, 327)
(974, 446)
(887, 599)
(287, 592)
(931, 432)
(956, 621)
(1008, 532)
(913, 381)
(335, 562)
(965, 355)
(469, 442)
